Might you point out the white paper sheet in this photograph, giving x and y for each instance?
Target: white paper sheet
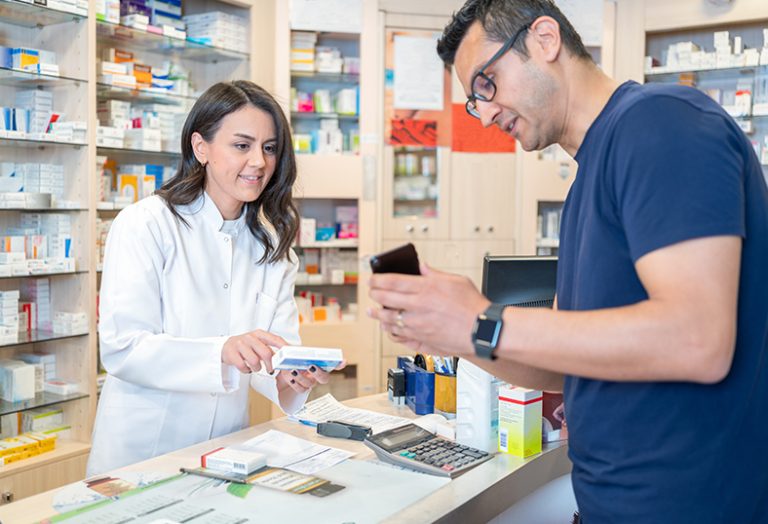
(286, 451)
(328, 408)
(419, 73)
(341, 16)
(586, 17)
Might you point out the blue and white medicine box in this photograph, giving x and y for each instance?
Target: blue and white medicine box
(303, 357)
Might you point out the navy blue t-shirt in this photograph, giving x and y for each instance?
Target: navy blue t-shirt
(663, 164)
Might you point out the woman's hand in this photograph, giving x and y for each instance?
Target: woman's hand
(250, 351)
(303, 381)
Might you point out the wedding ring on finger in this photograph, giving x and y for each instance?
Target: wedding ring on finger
(399, 319)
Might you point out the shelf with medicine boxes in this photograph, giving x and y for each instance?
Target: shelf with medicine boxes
(728, 62)
(29, 14)
(548, 227)
(41, 400)
(45, 222)
(141, 39)
(327, 250)
(325, 92)
(149, 95)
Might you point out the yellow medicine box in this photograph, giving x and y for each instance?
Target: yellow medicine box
(520, 421)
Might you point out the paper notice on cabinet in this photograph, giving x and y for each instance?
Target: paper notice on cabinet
(341, 16)
(586, 17)
(419, 73)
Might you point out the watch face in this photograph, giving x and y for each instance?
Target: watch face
(487, 331)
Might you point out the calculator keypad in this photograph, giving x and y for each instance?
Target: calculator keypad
(444, 454)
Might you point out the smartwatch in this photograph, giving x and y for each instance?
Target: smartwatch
(487, 331)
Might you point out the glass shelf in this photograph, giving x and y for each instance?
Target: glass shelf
(36, 275)
(27, 143)
(160, 155)
(709, 74)
(120, 35)
(316, 116)
(127, 94)
(41, 400)
(343, 78)
(31, 15)
(43, 209)
(18, 78)
(34, 336)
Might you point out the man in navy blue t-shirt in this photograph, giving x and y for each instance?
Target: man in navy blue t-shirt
(659, 339)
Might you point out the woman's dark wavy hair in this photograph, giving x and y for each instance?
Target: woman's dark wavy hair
(503, 18)
(275, 204)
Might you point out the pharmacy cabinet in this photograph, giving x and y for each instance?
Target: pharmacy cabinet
(416, 193)
(322, 76)
(482, 196)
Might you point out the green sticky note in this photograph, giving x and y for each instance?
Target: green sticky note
(239, 490)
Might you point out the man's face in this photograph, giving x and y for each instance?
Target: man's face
(524, 104)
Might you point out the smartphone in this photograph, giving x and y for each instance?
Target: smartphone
(402, 259)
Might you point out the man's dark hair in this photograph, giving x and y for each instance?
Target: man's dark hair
(501, 19)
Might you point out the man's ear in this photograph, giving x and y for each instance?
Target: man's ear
(199, 148)
(545, 36)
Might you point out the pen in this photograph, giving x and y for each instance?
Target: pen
(308, 423)
(201, 472)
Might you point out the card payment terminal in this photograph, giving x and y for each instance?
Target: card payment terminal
(413, 447)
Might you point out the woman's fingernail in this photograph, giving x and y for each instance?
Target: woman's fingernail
(293, 381)
(312, 369)
(294, 372)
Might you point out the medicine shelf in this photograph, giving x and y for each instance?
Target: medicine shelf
(306, 115)
(36, 275)
(27, 143)
(42, 209)
(35, 336)
(120, 35)
(41, 400)
(338, 78)
(337, 243)
(158, 155)
(18, 78)
(107, 91)
(722, 73)
(64, 449)
(27, 14)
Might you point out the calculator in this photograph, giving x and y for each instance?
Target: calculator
(416, 448)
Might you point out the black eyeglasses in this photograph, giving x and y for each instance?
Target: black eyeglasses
(483, 87)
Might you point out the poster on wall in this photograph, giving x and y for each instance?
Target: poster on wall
(336, 16)
(586, 17)
(418, 73)
(418, 127)
(469, 135)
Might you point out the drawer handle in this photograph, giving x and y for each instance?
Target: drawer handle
(490, 229)
(424, 229)
(409, 228)
(6, 497)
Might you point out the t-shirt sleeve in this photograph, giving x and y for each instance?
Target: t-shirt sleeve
(678, 174)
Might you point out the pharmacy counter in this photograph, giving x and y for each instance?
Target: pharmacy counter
(477, 496)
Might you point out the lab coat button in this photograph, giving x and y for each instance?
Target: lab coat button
(226, 286)
(226, 239)
(213, 394)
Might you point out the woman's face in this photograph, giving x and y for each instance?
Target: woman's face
(240, 159)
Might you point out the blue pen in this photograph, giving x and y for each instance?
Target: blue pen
(308, 423)
(447, 361)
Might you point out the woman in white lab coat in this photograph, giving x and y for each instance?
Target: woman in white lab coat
(197, 285)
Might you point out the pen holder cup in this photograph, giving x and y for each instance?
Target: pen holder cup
(419, 388)
(445, 393)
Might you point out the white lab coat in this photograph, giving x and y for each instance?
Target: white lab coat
(170, 297)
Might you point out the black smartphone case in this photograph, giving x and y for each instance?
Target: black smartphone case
(402, 259)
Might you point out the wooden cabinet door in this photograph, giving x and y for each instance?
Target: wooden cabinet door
(483, 199)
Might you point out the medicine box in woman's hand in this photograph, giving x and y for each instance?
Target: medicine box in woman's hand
(303, 357)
